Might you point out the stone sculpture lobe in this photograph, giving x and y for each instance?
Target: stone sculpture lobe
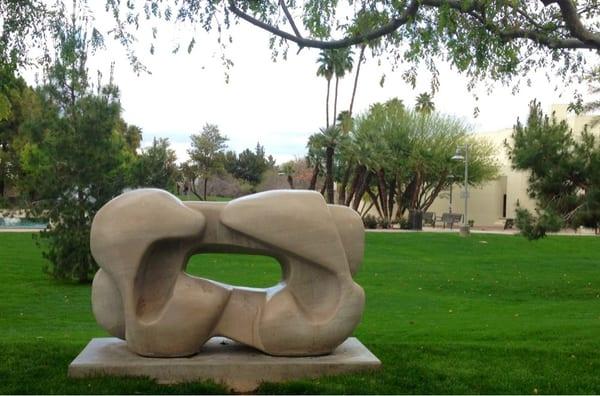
(143, 239)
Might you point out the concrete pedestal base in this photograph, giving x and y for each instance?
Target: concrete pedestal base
(224, 361)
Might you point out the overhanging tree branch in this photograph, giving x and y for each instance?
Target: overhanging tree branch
(409, 12)
(575, 36)
(568, 9)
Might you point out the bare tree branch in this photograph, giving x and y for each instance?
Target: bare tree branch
(289, 18)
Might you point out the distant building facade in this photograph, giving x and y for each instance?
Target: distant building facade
(495, 201)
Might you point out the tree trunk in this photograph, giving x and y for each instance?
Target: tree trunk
(329, 174)
(313, 179)
(436, 191)
(364, 184)
(205, 186)
(344, 184)
(360, 58)
(335, 98)
(382, 193)
(327, 103)
(391, 194)
(374, 202)
(358, 172)
(365, 209)
(415, 191)
(290, 181)
(193, 189)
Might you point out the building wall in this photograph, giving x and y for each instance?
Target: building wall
(486, 202)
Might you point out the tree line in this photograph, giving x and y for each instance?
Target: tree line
(395, 159)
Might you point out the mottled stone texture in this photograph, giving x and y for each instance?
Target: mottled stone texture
(234, 365)
(143, 239)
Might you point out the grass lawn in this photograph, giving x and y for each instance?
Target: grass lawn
(487, 314)
(192, 197)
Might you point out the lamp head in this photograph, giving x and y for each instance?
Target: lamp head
(458, 156)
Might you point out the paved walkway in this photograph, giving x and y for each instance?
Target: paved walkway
(20, 229)
(498, 231)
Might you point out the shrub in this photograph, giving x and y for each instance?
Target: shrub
(404, 224)
(384, 223)
(370, 221)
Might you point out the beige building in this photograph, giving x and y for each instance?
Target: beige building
(495, 201)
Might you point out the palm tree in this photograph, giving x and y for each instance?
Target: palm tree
(325, 69)
(425, 104)
(342, 62)
(288, 170)
(360, 61)
(314, 158)
(329, 138)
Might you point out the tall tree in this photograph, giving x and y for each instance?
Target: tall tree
(207, 154)
(342, 63)
(326, 70)
(288, 170)
(81, 162)
(314, 158)
(361, 57)
(424, 103)
(564, 173)
(22, 103)
(329, 138)
(248, 166)
(132, 135)
(156, 166)
(401, 158)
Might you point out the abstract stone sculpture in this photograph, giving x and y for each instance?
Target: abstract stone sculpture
(143, 239)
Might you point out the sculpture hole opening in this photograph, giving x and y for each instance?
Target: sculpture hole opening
(236, 269)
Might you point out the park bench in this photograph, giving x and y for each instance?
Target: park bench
(448, 219)
(429, 218)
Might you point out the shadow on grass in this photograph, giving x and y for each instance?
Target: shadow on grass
(39, 367)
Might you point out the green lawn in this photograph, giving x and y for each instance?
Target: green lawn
(487, 314)
(192, 197)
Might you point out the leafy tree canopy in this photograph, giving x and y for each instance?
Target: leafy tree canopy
(248, 165)
(156, 166)
(497, 39)
(564, 173)
(206, 156)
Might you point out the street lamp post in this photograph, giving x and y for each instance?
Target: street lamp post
(464, 230)
(451, 178)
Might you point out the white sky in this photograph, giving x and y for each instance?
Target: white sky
(279, 104)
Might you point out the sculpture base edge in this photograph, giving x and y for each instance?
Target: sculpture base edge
(236, 366)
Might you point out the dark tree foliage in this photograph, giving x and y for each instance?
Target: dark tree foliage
(80, 162)
(564, 173)
(248, 165)
(156, 166)
(500, 39)
(21, 103)
(132, 134)
(484, 39)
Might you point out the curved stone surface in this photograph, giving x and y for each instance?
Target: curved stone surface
(143, 239)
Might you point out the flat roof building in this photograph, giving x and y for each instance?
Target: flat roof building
(495, 201)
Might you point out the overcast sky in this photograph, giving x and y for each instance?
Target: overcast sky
(278, 104)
